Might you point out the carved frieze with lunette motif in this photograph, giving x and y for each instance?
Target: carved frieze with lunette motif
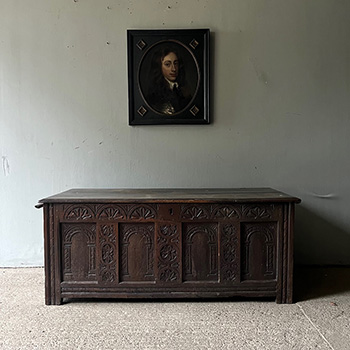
(111, 212)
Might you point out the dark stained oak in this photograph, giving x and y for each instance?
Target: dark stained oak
(168, 243)
(170, 195)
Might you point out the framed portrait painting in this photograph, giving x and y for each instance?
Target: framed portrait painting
(168, 72)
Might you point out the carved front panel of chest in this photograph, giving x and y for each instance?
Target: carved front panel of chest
(200, 252)
(258, 250)
(168, 247)
(136, 252)
(78, 253)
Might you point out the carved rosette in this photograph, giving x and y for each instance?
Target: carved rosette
(169, 256)
(229, 265)
(108, 263)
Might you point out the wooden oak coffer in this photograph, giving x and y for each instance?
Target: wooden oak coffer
(163, 243)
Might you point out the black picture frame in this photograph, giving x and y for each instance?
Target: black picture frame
(184, 97)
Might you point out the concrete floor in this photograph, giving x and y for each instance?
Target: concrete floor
(318, 320)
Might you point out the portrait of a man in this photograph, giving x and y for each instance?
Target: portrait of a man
(163, 80)
(168, 76)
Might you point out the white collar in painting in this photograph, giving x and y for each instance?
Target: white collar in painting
(172, 84)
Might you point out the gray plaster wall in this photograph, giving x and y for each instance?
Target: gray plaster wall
(280, 88)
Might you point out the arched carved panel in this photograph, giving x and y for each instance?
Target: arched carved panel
(168, 242)
(136, 243)
(259, 246)
(200, 252)
(78, 252)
